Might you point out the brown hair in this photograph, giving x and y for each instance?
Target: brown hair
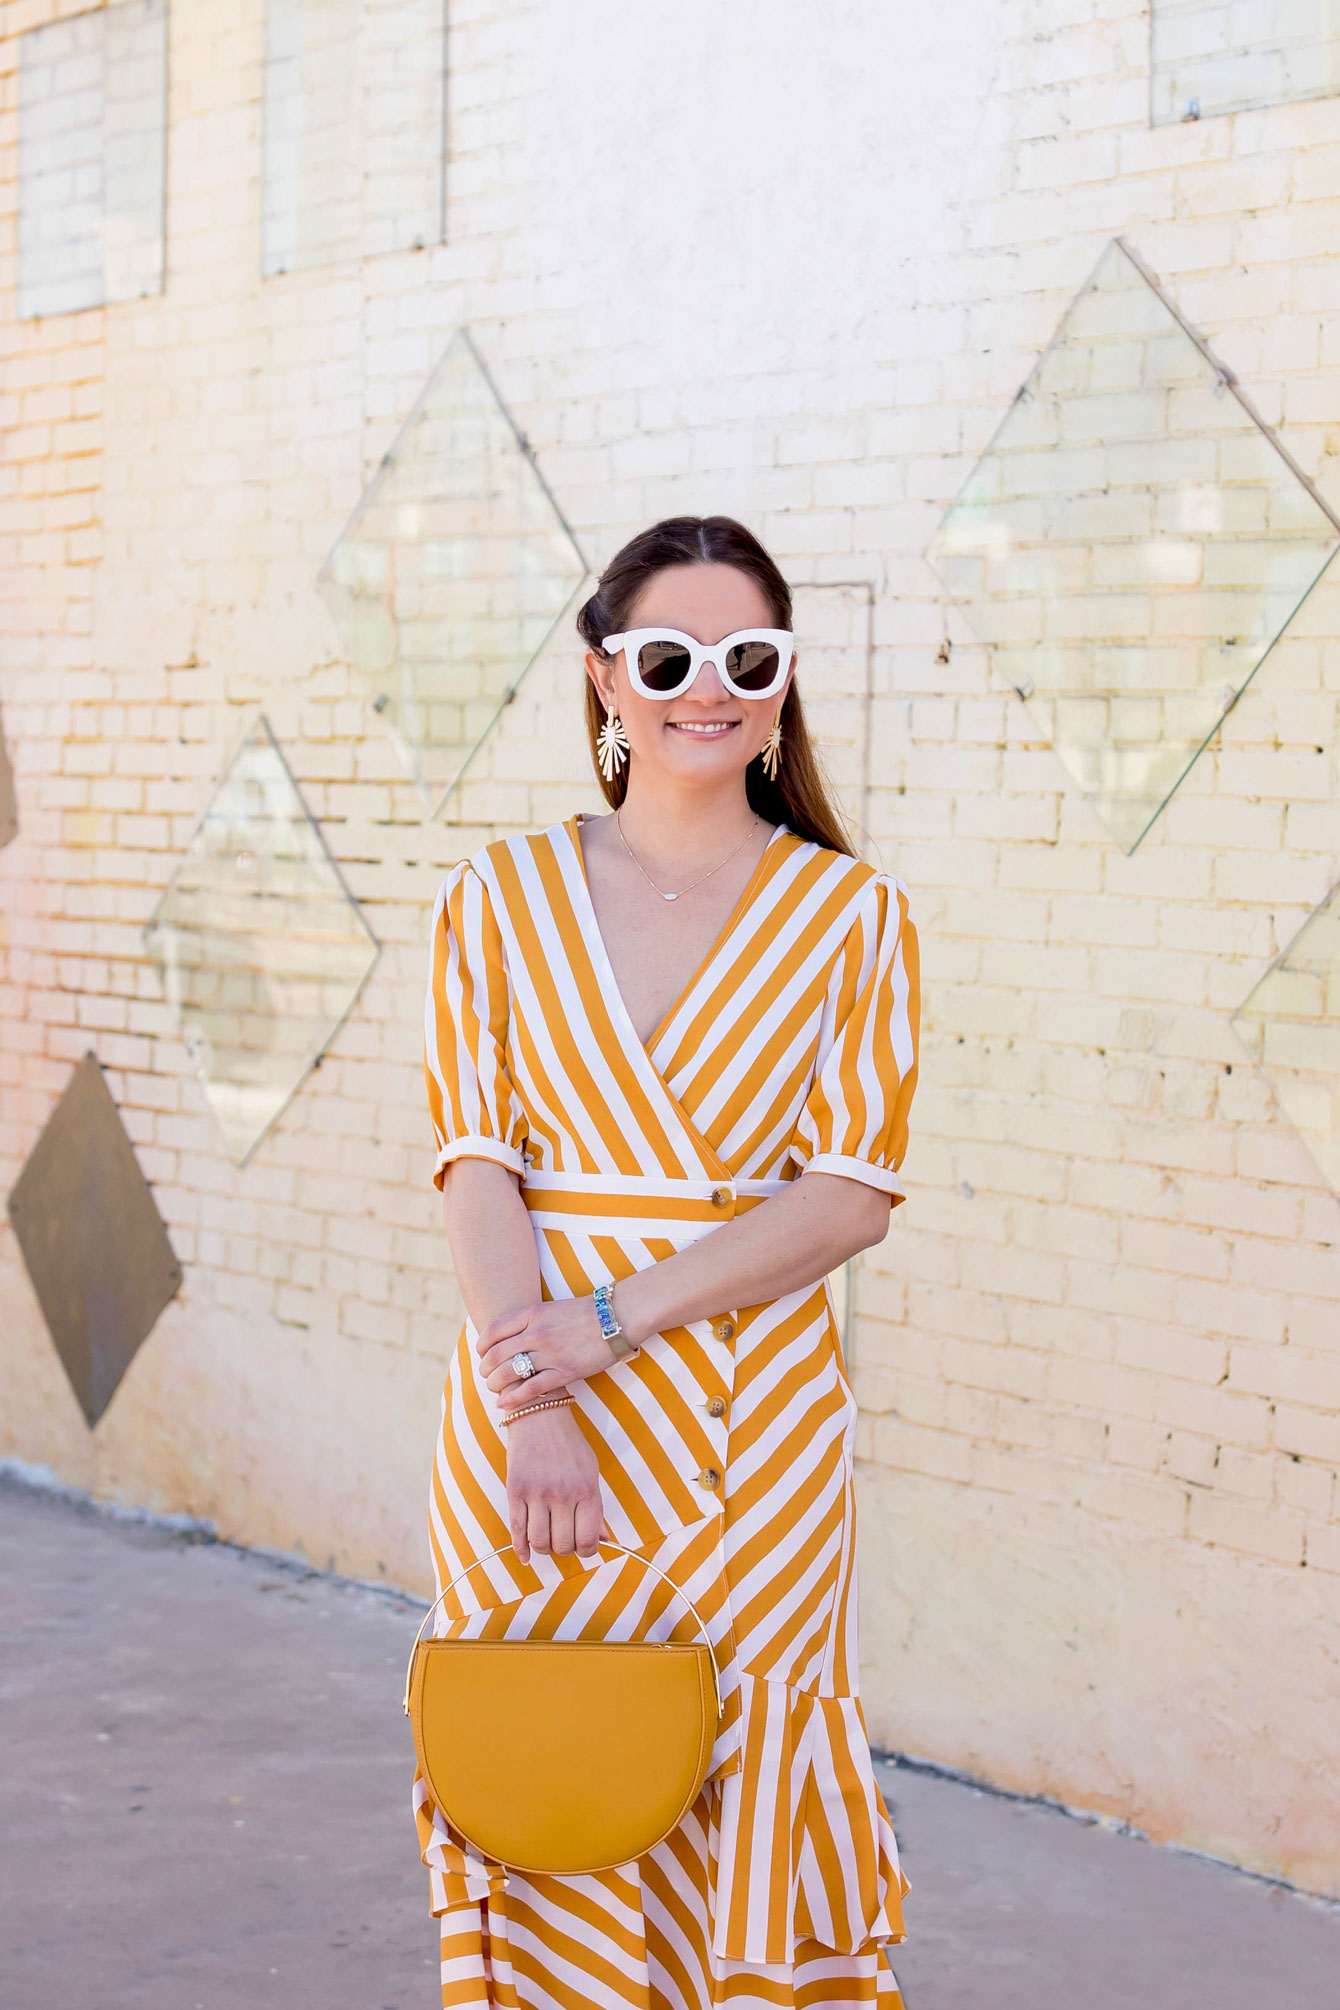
(799, 797)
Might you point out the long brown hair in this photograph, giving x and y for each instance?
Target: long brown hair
(799, 797)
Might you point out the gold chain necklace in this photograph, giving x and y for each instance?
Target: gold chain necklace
(697, 882)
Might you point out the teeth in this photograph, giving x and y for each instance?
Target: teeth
(720, 726)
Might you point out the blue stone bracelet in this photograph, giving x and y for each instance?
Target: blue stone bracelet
(609, 1323)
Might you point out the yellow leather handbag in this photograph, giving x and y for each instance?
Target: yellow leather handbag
(560, 1757)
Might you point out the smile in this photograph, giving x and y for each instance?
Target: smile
(710, 729)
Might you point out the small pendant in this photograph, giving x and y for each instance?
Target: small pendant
(669, 896)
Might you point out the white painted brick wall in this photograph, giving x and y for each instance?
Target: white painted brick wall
(1098, 1357)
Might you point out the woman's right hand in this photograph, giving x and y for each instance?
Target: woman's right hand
(553, 1487)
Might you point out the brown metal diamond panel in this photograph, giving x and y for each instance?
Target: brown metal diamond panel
(9, 812)
(93, 1240)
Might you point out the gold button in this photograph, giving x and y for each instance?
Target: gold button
(716, 1406)
(722, 1196)
(724, 1329)
(710, 1478)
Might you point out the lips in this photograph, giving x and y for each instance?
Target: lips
(708, 729)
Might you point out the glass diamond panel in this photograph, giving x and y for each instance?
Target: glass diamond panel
(1291, 1026)
(261, 948)
(1211, 56)
(452, 573)
(92, 1239)
(352, 157)
(1131, 544)
(92, 130)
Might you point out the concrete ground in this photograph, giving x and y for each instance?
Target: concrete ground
(206, 1783)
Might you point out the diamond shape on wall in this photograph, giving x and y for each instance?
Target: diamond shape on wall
(92, 1238)
(9, 809)
(452, 572)
(261, 948)
(1131, 544)
(1290, 1025)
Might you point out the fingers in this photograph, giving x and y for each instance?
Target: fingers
(563, 1334)
(557, 1528)
(498, 1360)
(537, 1527)
(589, 1524)
(560, 1529)
(514, 1395)
(499, 1330)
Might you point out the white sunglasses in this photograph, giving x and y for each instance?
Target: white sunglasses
(662, 663)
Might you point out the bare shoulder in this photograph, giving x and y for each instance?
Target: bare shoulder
(599, 836)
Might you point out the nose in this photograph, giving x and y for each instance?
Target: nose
(707, 687)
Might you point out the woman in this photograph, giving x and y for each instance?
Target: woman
(672, 1050)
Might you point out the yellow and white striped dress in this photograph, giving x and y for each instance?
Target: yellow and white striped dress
(725, 1447)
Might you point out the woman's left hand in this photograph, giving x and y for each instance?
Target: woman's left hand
(563, 1339)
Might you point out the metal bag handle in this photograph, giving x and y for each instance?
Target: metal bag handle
(605, 1543)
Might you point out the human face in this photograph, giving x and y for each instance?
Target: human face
(706, 736)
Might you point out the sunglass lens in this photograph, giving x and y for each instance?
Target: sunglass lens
(752, 666)
(663, 666)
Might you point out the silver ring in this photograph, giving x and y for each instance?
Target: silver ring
(523, 1367)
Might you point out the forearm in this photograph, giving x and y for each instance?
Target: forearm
(786, 1244)
(553, 1479)
(492, 1243)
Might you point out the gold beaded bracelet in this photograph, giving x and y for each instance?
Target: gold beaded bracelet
(549, 1403)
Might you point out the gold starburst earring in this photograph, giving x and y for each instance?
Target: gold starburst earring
(611, 745)
(771, 750)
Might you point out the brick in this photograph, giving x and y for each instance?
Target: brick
(1253, 1529)
(1323, 1548)
(1164, 1351)
(1306, 1489)
(1312, 1271)
(1141, 1445)
(1136, 1501)
(1226, 1311)
(1310, 1434)
(1234, 1205)
(907, 1448)
(1192, 1458)
(1221, 1413)
(1288, 1374)
(1011, 1471)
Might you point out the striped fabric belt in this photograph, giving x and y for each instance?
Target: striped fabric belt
(642, 1202)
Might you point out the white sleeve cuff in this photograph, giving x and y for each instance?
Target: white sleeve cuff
(479, 1148)
(882, 1177)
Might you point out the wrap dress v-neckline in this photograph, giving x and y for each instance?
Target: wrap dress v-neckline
(598, 950)
(725, 1446)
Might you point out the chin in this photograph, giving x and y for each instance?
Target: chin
(679, 751)
(705, 763)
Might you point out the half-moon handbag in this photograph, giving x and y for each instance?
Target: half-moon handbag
(561, 1757)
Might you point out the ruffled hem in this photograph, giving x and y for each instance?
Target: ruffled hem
(800, 1843)
(805, 1848)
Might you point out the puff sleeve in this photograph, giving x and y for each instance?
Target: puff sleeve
(472, 1100)
(854, 1122)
